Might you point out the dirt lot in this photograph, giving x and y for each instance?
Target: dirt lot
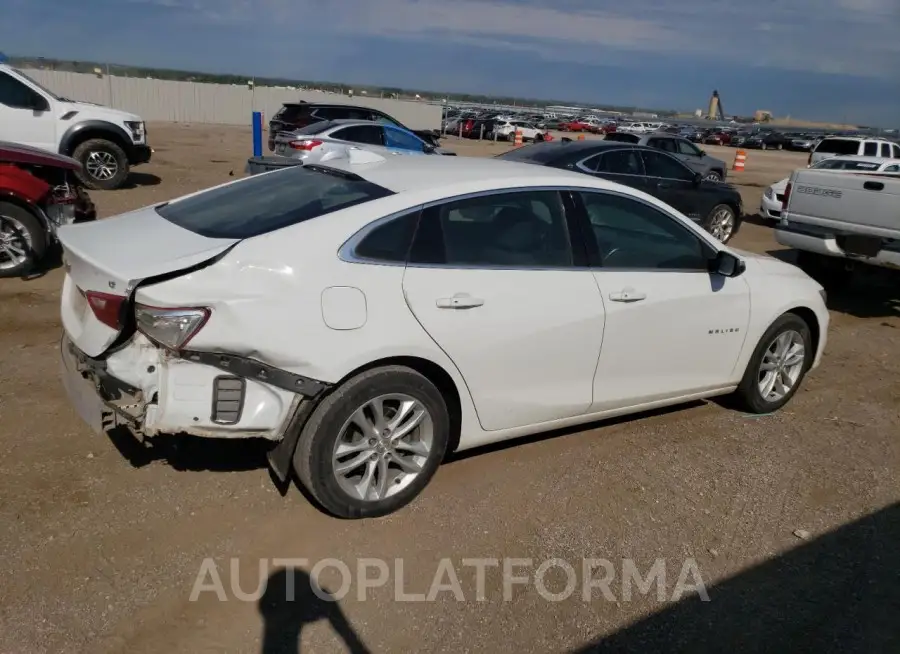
(103, 541)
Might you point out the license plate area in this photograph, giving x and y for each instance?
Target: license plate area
(860, 245)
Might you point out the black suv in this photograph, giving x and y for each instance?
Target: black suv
(294, 115)
(715, 206)
(767, 141)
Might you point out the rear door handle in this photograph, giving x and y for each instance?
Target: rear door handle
(627, 295)
(873, 186)
(459, 301)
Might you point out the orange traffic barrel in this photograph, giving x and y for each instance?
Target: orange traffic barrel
(740, 159)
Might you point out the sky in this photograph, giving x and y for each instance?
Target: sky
(836, 60)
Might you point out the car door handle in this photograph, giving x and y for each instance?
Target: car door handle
(459, 301)
(873, 186)
(627, 295)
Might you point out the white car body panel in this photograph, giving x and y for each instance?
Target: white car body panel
(287, 299)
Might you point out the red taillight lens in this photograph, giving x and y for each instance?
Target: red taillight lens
(107, 308)
(787, 195)
(305, 145)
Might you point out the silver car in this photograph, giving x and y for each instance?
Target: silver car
(330, 139)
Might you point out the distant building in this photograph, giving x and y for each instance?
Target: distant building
(762, 116)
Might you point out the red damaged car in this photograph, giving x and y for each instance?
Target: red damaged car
(38, 193)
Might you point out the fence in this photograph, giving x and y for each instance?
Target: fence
(222, 104)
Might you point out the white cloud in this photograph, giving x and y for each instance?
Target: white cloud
(853, 37)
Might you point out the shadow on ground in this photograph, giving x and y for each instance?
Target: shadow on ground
(135, 180)
(839, 593)
(290, 602)
(191, 453)
(871, 292)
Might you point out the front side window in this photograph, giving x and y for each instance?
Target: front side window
(686, 147)
(664, 166)
(396, 138)
(366, 134)
(14, 93)
(838, 146)
(666, 145)
(893, 168)
(523, 229)
(631, 234)
(870, 149)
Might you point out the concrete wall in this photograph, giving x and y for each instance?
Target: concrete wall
(192, 102)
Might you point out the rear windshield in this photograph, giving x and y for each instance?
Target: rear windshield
(291, 112)
(838, 146)
(541, 153)
(622, 137)
(268, 202)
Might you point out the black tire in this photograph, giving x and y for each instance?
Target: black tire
(538, 137)
(107, 150)
(17, 221)
(710, 227)
(313, 456)
(748, 394)
(714, 176)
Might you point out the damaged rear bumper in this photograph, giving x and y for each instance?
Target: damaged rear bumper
(197, 393)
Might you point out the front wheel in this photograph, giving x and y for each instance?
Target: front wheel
(713, 176)
(23, 242)
(104, 164)
(780, 362)
(721, 222)
(373, 443)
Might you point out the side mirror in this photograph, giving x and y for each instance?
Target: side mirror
(726, 264)
(702, 153)
(39, 103)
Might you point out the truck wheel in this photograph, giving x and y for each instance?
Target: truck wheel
(104, 164)
(373, 443)
(23, 241)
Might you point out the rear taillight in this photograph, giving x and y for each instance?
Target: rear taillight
(305, 144)
(107, 308)
(172, 328)
(787, 196)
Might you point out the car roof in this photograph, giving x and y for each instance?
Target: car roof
(433, 173)
(858, 138)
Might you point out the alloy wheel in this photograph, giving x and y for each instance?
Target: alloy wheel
(101, 165)
(383, 446)
(722, 224)
(781, 366)
(15, 243)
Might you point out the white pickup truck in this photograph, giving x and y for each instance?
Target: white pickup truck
(839, 220)
(107, 142)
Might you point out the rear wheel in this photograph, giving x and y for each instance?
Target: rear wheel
(23, 240)
(778, 365)
(104, 164)
(374, 443)
(721, 222)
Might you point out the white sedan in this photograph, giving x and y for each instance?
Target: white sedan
(507, 130)
(773, 196)
(371, 316)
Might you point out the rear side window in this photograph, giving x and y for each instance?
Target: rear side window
(367, 134)
(292, 112)
(886, 150)
(870, 149)
(266, 203)
(838, 146)
(390, 241)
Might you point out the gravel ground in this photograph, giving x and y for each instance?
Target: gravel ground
(791, 520)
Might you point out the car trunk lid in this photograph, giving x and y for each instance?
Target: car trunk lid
(106, 260)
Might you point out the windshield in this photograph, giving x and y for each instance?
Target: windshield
(38, 84)
(271, 201)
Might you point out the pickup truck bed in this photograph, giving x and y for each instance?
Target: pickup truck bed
(851, 216)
